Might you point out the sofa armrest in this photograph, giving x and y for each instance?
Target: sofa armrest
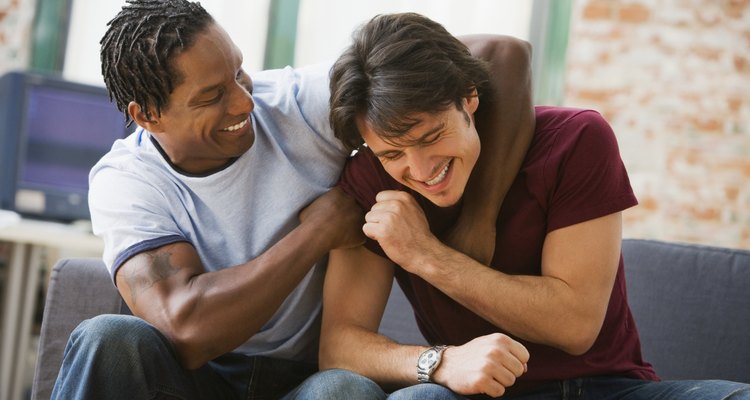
(691, 305)
(79, 288)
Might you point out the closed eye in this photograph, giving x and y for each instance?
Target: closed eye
(430, 139)
(390, 155)
(214, 99)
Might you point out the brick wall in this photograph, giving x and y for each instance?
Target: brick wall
(673, 79)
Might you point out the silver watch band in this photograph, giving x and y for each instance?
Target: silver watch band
(432, 357)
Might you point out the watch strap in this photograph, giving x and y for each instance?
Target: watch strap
(424, 375)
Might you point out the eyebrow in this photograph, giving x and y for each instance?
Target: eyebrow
(436, 129)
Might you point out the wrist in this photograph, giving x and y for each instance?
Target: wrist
(428, 362)
(426, 261)
(320, 235)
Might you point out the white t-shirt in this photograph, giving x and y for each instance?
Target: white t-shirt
(139, 202)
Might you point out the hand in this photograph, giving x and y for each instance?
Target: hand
(399, 225)
(337, 215)
(488, 364)
(476, 240)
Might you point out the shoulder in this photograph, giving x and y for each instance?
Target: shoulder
(293, 81)
(364, 177)
(567, 131)
(132, 150)
(293, 100)
(132, 201)
(130, 171)
(570, 120)
(580, 173)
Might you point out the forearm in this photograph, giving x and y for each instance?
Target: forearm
(206, 314)
(357, 288)
(505, 121)
(540, 309)
(236, 302)
(390, 364)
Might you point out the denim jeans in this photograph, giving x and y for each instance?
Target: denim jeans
(343, 384)
(123, 357)
(618, 388)
(599, 388)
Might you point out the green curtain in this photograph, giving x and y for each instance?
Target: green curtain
(49, 35)
(282, 33)
(552, 29)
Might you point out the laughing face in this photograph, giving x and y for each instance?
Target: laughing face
(206, 121)
(435, 157)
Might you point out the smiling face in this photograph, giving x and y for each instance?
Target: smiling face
(435, 157)
(206, 121)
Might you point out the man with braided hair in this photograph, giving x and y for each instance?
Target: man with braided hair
(217, 213)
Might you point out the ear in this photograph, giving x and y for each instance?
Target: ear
(471, 102)
(137, 114)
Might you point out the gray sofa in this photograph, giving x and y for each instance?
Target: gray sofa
(691, 304)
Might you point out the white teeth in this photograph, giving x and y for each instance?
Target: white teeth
(440, 176)
(235, 127)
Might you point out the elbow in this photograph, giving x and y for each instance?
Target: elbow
(189, 353)
(193, 348)
(335, 350)
(187, 337)
(516, 48)
(498, 47)
(327, 354)
(577, 346)
(326, 362)
(578, 341)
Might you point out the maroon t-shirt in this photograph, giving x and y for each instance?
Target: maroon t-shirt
(572, 173)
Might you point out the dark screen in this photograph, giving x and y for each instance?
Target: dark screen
(67, 133)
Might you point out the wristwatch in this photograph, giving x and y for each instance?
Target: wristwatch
(428, 362)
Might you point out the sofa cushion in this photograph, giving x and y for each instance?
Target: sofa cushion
(691, 304)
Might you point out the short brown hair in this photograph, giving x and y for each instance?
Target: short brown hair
(399, 65)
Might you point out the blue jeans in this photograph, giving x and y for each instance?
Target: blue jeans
(123, 357)
(600, 388)
(343, 384)
(618, 388)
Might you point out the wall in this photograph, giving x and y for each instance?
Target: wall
(244, 21)
(319, 39)
(673, 79)
(16, 17)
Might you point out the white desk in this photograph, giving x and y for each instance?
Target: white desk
(31, 240)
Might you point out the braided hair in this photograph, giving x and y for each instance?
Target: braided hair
(138, 49)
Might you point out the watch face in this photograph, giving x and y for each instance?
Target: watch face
(428, 359)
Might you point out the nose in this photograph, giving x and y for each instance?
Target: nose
(420, 167)
(241, 101)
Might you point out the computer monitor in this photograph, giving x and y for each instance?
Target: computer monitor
(52, 132)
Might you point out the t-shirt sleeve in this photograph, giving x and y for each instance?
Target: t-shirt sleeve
(130, 214)
(585, 172)
(313, 99)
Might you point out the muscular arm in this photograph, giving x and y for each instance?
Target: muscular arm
(505, 123)
(206, 314)
(563, 308)
(357, 286)
(355, 293)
